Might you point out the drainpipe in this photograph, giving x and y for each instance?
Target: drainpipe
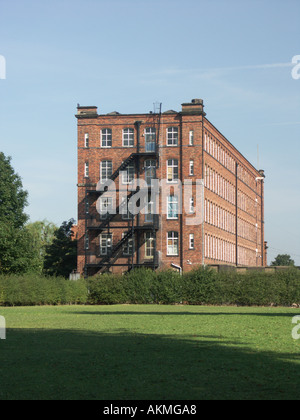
(181, 215)
(178, 268)
(138, 126)
(203, 197)
(236, 215)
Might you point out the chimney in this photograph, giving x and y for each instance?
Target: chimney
(195, 107)
(87, 111)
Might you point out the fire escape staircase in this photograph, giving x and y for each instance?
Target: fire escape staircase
(113, 255)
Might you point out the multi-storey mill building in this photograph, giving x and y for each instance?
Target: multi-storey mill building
(171, 148)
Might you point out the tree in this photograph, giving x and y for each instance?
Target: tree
(283, 260)
(17, 252)
(42, 235)
(13, 199)
(61, 255)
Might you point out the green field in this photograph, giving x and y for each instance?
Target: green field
(133, 352)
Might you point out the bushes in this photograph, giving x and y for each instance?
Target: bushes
(29, 290)
(202, 286)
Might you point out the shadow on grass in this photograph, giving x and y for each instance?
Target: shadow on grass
(166, 313)
(69, 364)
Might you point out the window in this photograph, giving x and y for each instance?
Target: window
(149, 245)
(125, 206)
(172, 136)
(150, 139)
(173, 244)
(106, 206)
(173, 207)
(128, 174)
(105, 170)
(86, 242)
(192, 241)
(192, 205)
(149, 210)
(106, 137)
(192, 168)
(105, 244)
(86, 170)
(150, 171)
(172, 170)
(128, 247)
(128, 137)
(86, 140)
(191, 138)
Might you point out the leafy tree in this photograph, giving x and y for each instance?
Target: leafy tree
(283, 260)
(42, 235)
(17, 252)
(61, 255)
(13, 199)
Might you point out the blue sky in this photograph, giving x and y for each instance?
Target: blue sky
(124, 55)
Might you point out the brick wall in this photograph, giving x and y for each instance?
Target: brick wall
(216, 160)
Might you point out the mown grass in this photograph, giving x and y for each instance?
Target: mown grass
(133, 352)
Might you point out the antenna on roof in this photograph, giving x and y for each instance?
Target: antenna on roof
(157, 107)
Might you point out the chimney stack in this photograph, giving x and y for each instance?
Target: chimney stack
(195, 107)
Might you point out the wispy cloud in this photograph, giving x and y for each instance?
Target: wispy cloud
(282, 123)
(175, 71)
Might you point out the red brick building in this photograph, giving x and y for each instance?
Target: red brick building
(209, 201)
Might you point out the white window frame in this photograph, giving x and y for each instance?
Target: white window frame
(86, 170)
(128, 137)
(173, 244)
(171, 166)
(150, 169)
(106, 242)
(106, 138)
(150, 139)
(172, 207)
(128, 174)
(191, 138)
(106, 203)
(128, 214)
(172, 136)
(192, 205)
(191, 241)
(106, 170)
(128, 248)
(192, 168)
(149, 245)
(86, 140)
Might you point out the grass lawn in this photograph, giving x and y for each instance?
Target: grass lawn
(144, 352)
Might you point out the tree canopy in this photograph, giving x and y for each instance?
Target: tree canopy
(13, 199)
(61, 254)
(283, 260)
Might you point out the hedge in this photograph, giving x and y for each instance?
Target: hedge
(202, 286)
(33, 290)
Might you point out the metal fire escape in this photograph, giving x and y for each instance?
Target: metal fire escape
(133, 229)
